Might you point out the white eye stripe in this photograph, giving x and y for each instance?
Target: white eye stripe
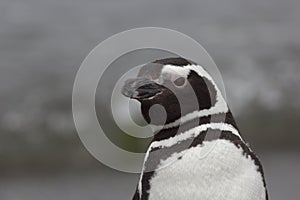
(172, 73)
(219, 107)
(171, 70)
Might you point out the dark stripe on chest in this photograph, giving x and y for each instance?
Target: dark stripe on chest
(217, 118)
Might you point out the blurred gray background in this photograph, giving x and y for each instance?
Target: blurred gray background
(256, 45)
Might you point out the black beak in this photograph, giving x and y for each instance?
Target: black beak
(141, 88)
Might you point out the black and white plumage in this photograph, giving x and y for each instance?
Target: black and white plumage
(230, 170)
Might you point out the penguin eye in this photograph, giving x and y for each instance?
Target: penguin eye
(179, 82)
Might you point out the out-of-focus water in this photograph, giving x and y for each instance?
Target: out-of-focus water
(281, 170)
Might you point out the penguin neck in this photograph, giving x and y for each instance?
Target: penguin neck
(166, 133)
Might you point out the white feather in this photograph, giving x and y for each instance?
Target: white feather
(194, 132)
(225, 173)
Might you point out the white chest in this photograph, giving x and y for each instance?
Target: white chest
(217, 170)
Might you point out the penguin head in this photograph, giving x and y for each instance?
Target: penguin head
(179, 85)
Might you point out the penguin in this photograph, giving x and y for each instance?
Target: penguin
(197, 152)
